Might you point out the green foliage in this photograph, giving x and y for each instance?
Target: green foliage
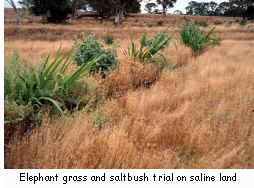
(202, 23)
(13, 112)
(193, 37)
(100, 117)
(55, 11)
(233, 8)
(79, 95)
(87, 49)
(150, 6)
(166, 4)
(148, 47)
(108, 39)
(39, 88)
(218, 23)
(160, 63)
(243, 22)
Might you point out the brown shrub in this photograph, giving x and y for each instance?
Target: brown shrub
(179, 55)
(130, 76)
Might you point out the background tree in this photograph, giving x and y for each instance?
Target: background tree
(237, 7)
(178, 12)
(13, 5)
(249, 13)
(196, 8)
(222, 9)
(157, 11)
(76, 5)
(234, 8)
(212, 7)
(190, 8)
(150, 6)
(103, 7)
(166, 4)
(133, 7)
(55, 11)
(116, 8)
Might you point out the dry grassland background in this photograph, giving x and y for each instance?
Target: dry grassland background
(199, 115)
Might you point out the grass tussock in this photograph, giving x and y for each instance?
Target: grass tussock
(192, 36)
(149, 47)
(55, 87)
(199, 116)
(129, 76)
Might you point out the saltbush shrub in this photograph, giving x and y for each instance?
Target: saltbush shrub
(88, 49)
(108, 39)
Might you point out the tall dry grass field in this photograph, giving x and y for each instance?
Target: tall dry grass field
(198, 115)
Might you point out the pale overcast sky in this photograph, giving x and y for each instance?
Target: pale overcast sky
(180, 4)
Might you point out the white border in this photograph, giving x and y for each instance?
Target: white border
(2, 92)
(243, 177)
(10, 178)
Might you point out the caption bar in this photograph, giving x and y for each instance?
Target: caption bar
(127, 177)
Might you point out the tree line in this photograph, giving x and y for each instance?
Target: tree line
(234, 8)
(57, 11)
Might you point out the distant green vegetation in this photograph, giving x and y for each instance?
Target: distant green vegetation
(218, 23)
(243, 22)
(108, 39)
(88, 49)
(202, 23)
(193, 37)
(148, 47)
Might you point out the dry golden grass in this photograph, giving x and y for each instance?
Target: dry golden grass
(35, 51)
(129, 76)
(35, 40)
(133, 26)
(197, 116)
(68, 32)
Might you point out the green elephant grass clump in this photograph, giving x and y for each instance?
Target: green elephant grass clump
(88, 48)
(197, 40)
(149, 47)
(28, 90)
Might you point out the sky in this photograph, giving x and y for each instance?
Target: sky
(180, 4)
